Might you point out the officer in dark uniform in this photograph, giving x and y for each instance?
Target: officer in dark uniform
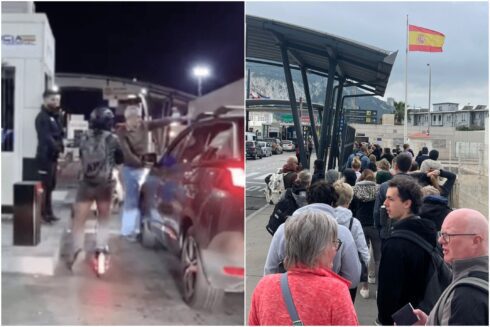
(49, 128)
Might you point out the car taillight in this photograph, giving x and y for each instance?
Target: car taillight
(237, 177)
(234, 271)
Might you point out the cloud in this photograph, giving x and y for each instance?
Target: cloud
(459, 73)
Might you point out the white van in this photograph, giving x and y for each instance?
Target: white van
(249, 136)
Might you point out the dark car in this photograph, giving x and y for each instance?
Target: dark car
(192, 204)
(254, 151)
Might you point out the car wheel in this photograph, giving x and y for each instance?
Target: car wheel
(197, 291)
(148, 238)
(256, 157)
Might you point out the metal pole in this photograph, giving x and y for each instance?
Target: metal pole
(199, 85)
(326, 112)
(335, 142)
(310, 107)
(248, 85)
(430, 82)
(405, 132)
(294, 109)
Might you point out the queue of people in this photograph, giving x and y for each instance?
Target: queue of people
(424, 252)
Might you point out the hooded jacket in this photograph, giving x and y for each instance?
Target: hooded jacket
(343, 216)
(435, 208)
(363, 202)
(290, 173)
(346, 262)
(403, 268)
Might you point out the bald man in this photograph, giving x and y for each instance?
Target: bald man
(464, 241)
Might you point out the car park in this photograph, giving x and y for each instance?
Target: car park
(253, 150)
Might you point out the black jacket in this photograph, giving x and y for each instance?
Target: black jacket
(435, 208)
(403, 268)
(49, 128)
(318, 176)
(421, 159)
(447, 187)
(388, 157)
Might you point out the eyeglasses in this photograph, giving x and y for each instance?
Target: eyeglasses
(339, 243)
(447, 237)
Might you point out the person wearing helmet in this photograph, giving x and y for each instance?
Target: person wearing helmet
(133, 137)
(100, 152)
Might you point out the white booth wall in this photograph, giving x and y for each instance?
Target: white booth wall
(28, 45)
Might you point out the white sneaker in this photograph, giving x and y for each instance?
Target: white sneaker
(371, 280)
(364, 293)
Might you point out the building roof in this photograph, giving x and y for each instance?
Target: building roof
(360, 63)
(445, 103)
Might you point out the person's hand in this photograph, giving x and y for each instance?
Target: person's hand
(120, 128)
(422, 317)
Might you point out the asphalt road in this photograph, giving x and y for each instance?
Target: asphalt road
(142, 287)
(256, 171)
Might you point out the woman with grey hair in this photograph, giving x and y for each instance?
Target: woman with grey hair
(320, 296)
(133, 137)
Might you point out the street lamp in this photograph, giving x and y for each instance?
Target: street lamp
(200, 72)
(430, 82)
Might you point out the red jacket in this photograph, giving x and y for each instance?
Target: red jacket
(321, 297)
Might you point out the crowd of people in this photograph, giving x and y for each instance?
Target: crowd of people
(393, 205)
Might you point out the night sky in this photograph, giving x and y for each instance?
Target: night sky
(154, 42)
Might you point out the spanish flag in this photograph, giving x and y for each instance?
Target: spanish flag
(423, 39)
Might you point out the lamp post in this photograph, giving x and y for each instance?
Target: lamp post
(430, 77)
(200, 72)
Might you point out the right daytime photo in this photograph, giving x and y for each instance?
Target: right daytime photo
(366, 163)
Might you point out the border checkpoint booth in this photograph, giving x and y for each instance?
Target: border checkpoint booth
(28, 66)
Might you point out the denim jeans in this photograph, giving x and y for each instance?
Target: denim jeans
(132, 179)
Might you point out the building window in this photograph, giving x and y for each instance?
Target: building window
(434, 119)
(8, 108)
(439, 118)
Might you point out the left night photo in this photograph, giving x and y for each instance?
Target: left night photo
(122, 163)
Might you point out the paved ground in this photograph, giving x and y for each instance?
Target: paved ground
(257, 170)
(142, 287)
(258, 241)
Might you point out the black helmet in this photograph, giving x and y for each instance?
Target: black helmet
(101, 118)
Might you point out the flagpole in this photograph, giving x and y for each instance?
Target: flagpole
(405, 138)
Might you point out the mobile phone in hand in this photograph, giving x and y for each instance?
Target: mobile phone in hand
(405, 316)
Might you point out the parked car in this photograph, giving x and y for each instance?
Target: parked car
(266, 148)
(275, 145)
(288, 145)
(253, 150)
(192, 204)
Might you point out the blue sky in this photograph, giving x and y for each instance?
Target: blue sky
(459, 73)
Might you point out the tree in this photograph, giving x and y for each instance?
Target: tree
(399, 112)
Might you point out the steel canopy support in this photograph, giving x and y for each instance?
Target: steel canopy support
(334, 146)
(310, 107)
(326, 113)
(294, 108)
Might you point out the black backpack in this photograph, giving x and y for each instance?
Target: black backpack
(283, 209)
(439, 275)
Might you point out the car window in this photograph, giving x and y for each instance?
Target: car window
(220, 143)
(196, 144)
(250, 144)
(177, 149)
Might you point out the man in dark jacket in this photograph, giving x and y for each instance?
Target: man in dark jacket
(49, 130)
(404, 265)
(402, 165)
(464, 240)
(435, 208)
(423, 156)
(319, 173)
